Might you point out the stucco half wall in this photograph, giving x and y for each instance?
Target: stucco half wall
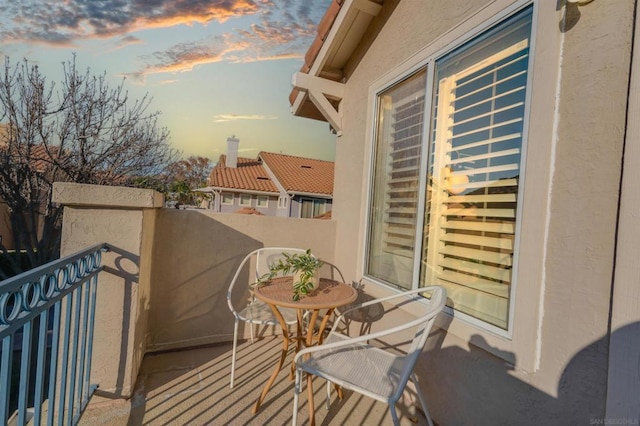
(195, 255)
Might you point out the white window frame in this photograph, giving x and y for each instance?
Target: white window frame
(521, 344)
(264, 198)
(243, 198)
(222, 195)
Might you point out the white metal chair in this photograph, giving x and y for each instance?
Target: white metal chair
(353, 363)
(256, 312)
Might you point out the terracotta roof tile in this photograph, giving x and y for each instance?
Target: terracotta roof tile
(298, 174)
(312, 52)
(329, 17)
(249, 210)
(250, 175)
(324, 216)
(324, 26)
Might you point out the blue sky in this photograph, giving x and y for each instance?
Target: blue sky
(215, 68)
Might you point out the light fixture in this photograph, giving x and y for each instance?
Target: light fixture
(455, 183)
(579, 2)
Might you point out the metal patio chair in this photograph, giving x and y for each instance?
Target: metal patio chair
(353, 363)
(256, 312)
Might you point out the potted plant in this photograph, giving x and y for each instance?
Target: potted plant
(303, 267)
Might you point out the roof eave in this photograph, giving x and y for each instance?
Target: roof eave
(311, 194)
(337, 46)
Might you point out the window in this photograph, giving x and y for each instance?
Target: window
(263, 201)
(473, 148)
(245, 199)
(394, 206)
(227, 198)
(283, 202)
(311, 207)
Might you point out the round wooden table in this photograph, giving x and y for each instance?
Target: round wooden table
(278, 293)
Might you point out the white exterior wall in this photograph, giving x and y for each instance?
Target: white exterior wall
(553, 370)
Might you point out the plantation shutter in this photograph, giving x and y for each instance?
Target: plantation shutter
(475, 168)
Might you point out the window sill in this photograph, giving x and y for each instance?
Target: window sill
(518, 353)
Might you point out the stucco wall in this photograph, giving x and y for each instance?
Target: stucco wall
(556, 372)
(195, 255)
(124, 218)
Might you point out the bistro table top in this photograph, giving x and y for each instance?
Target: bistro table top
(329, 294)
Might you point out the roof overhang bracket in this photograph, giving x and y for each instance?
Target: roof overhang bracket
(367, 6)
(320, 91)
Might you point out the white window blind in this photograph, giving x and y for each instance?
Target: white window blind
(474, 166)
(394, 207)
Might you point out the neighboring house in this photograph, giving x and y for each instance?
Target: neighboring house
(481, 146)
(41, 164)
(271, 184)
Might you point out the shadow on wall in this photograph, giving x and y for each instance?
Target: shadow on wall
(126, 267)
(486, 386)
(194, 260)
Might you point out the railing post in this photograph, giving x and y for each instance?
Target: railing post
(124, 218)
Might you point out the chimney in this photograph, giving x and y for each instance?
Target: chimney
(232, 152)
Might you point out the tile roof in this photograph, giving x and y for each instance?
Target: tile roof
(298, 174)
(295, 174)
(250, 175)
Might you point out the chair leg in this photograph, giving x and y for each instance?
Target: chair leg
(296, 391)
(394, 414)
(423, 401)
(233, 351)
(251, 325)
(328, 394)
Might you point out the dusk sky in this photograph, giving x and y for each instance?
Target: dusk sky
(215, 68)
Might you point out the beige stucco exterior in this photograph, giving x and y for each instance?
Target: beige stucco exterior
(554, 365)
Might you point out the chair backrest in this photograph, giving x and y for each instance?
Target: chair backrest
(435, 305)
(421, 325)
(262, 259)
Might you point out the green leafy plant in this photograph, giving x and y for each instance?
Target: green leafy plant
(303, 266)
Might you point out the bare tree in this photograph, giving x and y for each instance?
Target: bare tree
(81, 130)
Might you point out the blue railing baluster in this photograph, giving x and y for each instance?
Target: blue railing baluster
(40, 372)
(5, 377)
(53, 365)
(83, 343)
(65, 358)
(93, 288)
(54, 356)
(25, 364)
(74, 355)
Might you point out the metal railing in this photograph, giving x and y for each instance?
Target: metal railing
(46, 339)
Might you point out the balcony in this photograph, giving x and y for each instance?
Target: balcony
(161, 345)
(192, 387)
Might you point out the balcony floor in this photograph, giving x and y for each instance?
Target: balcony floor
(192, 387)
